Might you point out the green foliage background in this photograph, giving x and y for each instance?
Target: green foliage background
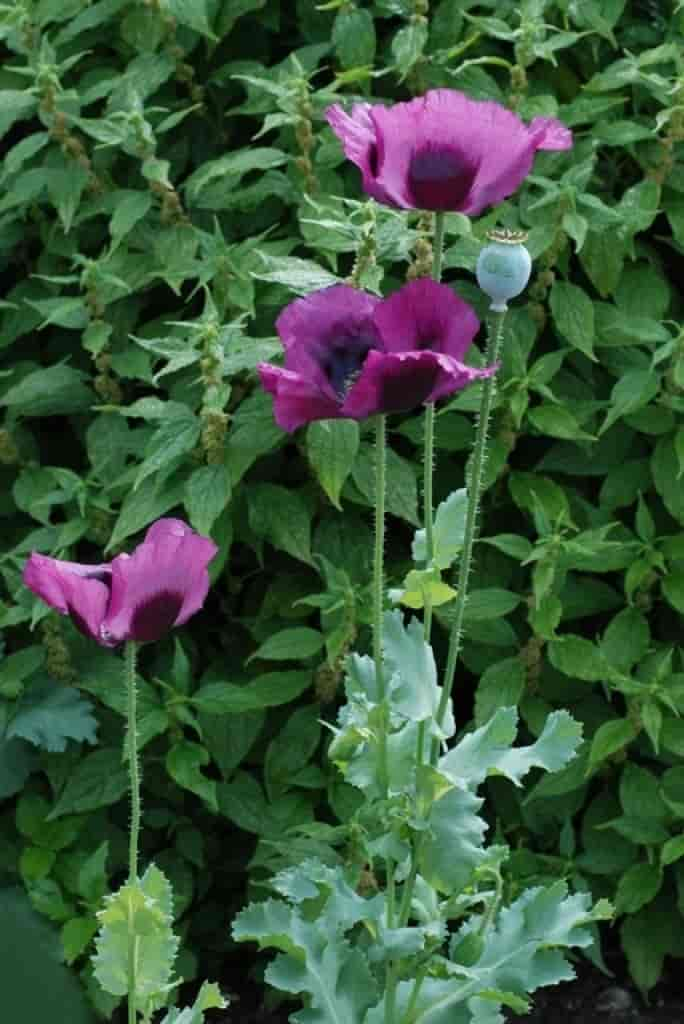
(168, 184)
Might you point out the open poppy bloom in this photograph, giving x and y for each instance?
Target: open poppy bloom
(349, 354)
(443, 150)
(134, 597)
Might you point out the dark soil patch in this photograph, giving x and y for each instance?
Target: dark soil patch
(594, 996)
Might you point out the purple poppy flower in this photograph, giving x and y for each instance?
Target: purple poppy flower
(134, 597)
(349, 354)
(443, 151)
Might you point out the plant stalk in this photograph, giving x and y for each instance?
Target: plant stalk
(474, 485)
(428, 523)
(378, 590)
(134, 835)
(429, 450)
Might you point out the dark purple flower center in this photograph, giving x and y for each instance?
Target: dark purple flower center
(154, 617)
(343, 361)
(373, 160)
(408, 388)
(440, 178)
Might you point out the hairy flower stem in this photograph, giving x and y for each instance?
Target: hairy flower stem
(378, 592)
(429, 432)
(428, 522)
(134, 775)
(378, 602)
(474, 485)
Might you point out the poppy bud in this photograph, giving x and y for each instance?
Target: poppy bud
(504, 267)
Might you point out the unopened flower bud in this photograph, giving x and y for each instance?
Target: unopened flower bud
(504, 267)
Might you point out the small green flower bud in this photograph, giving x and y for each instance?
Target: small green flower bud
(504, 267)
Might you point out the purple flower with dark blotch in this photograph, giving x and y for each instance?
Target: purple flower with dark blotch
(351, 355)
(134, 597)
(443, 150)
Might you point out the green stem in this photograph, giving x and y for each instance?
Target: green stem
(378, 590)
(134, 775)
(133, 765)
(428, 522)
(407, 896)
(413, 998)
(391, 993)
(438, 245)
(428, 515)
(492, 906)
(132, 969)
(429, 449)
(474, 485)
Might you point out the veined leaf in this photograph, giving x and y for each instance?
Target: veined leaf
(146, 907)
(48, 715)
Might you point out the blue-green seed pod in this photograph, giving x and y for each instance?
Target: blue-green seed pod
(504, 267)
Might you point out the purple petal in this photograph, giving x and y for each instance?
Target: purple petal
(399, 381)
(160, 585)
(425, 315)
(549, 133)
(80, 591)
(297, 401)
(326, 336)
(88, 601)
(169, 527)
(356, 132)
(445, 151)
(309, 327)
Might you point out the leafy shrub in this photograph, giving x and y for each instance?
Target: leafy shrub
(166, 188)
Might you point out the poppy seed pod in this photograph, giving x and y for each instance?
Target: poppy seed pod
(504, 267)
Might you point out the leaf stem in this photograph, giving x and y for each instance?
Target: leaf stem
(134, 834)
(378, 591)
(474, 485)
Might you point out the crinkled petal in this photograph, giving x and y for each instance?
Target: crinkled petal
(445, 151)
(497, 143)
(45, 577)
(310, 325)
(160, 585)
(169, 527)
(400, 381)
(550, 133)
(88, 602)
(72, 588)
(396, 133)
(356, 132)
(297, 401)
(426, 315)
